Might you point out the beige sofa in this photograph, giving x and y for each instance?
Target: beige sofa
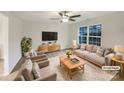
(93, 54)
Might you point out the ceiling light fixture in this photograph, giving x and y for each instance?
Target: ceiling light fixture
(65, 19)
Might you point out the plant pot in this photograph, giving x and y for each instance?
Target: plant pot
(26, 54)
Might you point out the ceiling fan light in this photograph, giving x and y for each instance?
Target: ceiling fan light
(65, 20)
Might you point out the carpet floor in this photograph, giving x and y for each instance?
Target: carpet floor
(91, 71)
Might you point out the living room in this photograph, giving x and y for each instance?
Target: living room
(32, 24)
(61, 46)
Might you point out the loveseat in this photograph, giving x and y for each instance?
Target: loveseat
(95, 54)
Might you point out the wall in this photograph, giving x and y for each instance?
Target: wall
(4, 41)
(1, 38)
(33, 30)
(14, 37)
(112, 28)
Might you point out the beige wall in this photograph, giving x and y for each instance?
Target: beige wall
(34, 29)
(1, 43)
(14, 39)
(4, 41)
(112, 28)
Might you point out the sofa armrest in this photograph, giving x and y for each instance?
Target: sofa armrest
(39, 53)
(37, 57)
(108, 59)
(43, 63)
(51, 77)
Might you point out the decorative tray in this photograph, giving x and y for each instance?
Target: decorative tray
(74, 60)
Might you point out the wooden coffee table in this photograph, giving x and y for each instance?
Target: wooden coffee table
(72, 67)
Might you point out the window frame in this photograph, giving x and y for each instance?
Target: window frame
(85, 36)
(88, 34)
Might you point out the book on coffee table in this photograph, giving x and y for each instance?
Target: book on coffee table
(74, 60)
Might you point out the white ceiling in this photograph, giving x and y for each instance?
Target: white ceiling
(44, 16)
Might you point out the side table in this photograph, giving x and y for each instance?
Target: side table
(121, 62)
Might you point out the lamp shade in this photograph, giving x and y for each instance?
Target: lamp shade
(74, 44)
(119, 48)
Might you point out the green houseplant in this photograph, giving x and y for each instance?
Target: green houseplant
(68, 53)
(26, 45)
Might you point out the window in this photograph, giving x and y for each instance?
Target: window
(83, 35)
(91, 35)
(95, 35)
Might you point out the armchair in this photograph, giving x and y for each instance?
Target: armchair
(25, 73)
(41, 59)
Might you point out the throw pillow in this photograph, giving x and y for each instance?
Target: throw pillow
(27, 70)
(94, 49)
(83, 46)
(100, 51)
(108, 51)
(89, 48)
(36, 70)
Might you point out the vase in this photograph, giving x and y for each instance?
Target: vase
(26, 54)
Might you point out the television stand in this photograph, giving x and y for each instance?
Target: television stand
(49, 47)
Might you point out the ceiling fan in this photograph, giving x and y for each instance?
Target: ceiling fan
(64, 17)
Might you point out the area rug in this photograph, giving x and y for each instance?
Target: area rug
(91, 72)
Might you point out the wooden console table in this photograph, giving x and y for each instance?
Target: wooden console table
(49, 47)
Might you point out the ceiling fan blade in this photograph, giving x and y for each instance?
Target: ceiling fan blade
(55, 18)
(65, 12)
(71, 19)
(75, 16)
(61, 14)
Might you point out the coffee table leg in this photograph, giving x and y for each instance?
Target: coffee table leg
(60, 63)
(121, 71)
(82, 67)
(70, 74)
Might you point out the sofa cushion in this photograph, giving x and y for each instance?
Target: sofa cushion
(100, 51)
(27, 70)
(89, 48)
(94, 49)
(83, 46)
(107, 51)
(36, 70)
(85, 53)
(45, 72)
(81, 53)
(96, 59)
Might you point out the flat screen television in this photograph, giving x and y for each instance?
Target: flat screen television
(49, 36)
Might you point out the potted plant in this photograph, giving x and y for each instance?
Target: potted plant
(26, 45)
(68, 53)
